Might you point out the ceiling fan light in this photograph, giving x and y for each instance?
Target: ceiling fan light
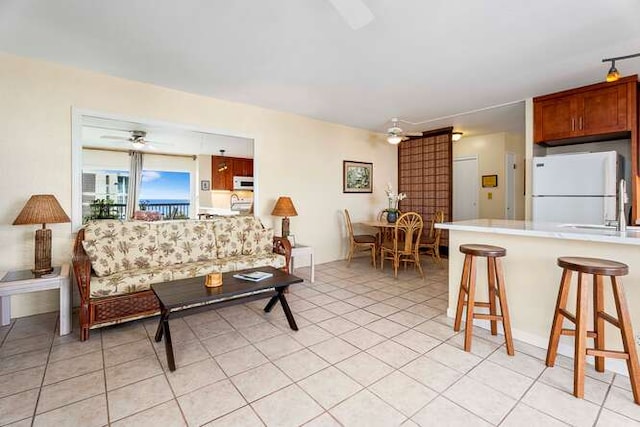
(138, 145)
(394, 139)
(456, 136)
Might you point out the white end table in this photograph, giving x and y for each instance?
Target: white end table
(18, 285)
(302, 250)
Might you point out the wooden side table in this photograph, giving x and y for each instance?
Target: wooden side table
(20, 282)
(302, 250)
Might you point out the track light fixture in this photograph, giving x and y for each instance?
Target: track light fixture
(222, 166)
(613, 73)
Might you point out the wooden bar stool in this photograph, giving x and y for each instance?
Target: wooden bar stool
(495, 276)
(598, 268)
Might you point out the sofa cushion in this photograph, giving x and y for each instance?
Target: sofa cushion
(109, 256)
(113, 228)
(139, 280)
(186, 241)
(258, 242)
(130, 281)
(232, 233)
(252, 261)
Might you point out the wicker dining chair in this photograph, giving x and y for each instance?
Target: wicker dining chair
(385, 233)
(360, 242)
(404, 246)
(432, 243)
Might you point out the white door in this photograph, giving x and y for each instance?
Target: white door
(465, 188)
(510, 186)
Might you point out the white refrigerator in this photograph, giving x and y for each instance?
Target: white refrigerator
(576, 188)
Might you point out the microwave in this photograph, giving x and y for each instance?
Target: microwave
(243, 183)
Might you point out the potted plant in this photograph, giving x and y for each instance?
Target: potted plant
(394, 199)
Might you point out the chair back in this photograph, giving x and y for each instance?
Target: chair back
(347, 220)
(409, 228)
(434, 233)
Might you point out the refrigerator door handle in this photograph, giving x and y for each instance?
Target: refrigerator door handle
(607, 177)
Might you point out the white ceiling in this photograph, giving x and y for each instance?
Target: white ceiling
(417, 60)
(98, 132)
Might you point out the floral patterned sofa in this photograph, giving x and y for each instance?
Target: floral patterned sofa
(116, 262)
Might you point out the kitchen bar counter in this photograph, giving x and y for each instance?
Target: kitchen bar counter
(587, 232)
(532, 275)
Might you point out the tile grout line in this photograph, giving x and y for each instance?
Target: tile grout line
(44, 375)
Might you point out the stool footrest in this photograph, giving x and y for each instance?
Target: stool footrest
(570, 317)
(609, 318)
(482, 304)
(572, 333)
(608, 353)
(487, 316)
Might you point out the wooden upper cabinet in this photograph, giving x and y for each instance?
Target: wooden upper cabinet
(221, 178)
(604, 110)
(590, 111)
(555, 119)
(235, 166)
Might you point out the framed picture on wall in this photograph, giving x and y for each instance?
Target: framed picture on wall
(489, 180)
(205, 185)
(357, 177)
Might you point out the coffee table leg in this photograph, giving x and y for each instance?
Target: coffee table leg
(286, 309)
(271, 303)
(167, 342)
(159, 330)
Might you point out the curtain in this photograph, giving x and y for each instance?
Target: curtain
(135, 177)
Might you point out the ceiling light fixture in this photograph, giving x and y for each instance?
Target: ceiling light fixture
(456, 136)
(394, 139)
(613, 73)
(222, 166)
(138, 145)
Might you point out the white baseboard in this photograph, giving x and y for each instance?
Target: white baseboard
(614, 365)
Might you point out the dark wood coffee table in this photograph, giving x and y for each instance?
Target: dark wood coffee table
(184, 294)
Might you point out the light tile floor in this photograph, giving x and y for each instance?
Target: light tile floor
(371, 351)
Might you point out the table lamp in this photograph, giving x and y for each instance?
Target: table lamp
(42, 209)
(284, 207)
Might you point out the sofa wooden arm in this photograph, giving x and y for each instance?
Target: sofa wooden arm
(282, 246)
(81, 266)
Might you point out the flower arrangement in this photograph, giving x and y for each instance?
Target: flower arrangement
(394, 198)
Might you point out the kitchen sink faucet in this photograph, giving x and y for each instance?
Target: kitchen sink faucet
(622, 199)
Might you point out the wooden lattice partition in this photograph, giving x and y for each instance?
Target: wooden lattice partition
(425, 174)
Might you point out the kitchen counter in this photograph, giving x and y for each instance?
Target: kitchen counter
(585, 232)
(532, 275)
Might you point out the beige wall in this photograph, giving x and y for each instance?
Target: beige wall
(490, 150)
(294, 156)
(204, 172)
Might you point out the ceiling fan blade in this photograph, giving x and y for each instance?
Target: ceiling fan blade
(114, 137)
(413, 133)
(355, 12)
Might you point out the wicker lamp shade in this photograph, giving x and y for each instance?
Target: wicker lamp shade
(42, 209)
(284, 207)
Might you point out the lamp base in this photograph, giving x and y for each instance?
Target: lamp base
(42, 252)
(285, 226)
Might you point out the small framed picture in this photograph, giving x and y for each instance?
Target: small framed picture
(489, 180)
(205, 185)
(292, 240)
(357, 177)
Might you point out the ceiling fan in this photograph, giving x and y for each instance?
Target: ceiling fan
(137, 139)
(395, 134)
(355, 12)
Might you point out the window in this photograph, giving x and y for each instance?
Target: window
(166, 192)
